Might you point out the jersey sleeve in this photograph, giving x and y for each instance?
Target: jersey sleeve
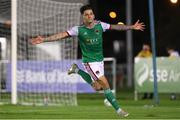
(73, 31)
(105, 26)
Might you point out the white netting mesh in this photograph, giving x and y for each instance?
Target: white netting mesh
(43, 17)
(42, 69)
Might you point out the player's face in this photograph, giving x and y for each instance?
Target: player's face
(88, 16)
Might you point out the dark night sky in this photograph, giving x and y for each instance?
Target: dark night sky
(167, 23)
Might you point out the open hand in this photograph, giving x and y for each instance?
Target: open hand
(139, 26)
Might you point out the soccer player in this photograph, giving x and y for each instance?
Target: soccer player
(91, 44)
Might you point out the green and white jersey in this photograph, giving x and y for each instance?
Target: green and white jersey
(90, 40)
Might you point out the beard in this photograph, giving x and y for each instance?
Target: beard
(90, 21)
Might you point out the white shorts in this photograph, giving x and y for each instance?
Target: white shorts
(94, 69)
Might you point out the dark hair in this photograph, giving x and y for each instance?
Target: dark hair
(85, 7)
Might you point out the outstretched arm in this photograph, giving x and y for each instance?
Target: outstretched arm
(41, 39)
(136, 26)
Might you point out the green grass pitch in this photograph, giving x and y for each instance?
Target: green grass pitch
(91, 107)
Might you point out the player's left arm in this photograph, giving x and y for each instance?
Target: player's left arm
(136, 26)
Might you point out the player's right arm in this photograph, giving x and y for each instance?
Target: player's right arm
(41, 39)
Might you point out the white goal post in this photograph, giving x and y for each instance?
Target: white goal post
(110, 72)
(14, 52)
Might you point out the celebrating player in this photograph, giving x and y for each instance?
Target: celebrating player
(91, 44)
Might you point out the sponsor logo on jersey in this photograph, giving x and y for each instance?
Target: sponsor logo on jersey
(92, 41)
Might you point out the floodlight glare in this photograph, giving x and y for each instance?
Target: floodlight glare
(112, 14)
(120, 23)
(174, 1)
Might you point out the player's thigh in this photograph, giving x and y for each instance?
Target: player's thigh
(103, 82)
(96, 86)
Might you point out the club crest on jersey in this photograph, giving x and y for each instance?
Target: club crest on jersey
(97, 31)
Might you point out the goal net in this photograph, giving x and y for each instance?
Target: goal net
(42, 69)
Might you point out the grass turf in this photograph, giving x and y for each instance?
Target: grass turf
(91, 107)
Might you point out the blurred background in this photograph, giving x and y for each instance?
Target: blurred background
(166, 25)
